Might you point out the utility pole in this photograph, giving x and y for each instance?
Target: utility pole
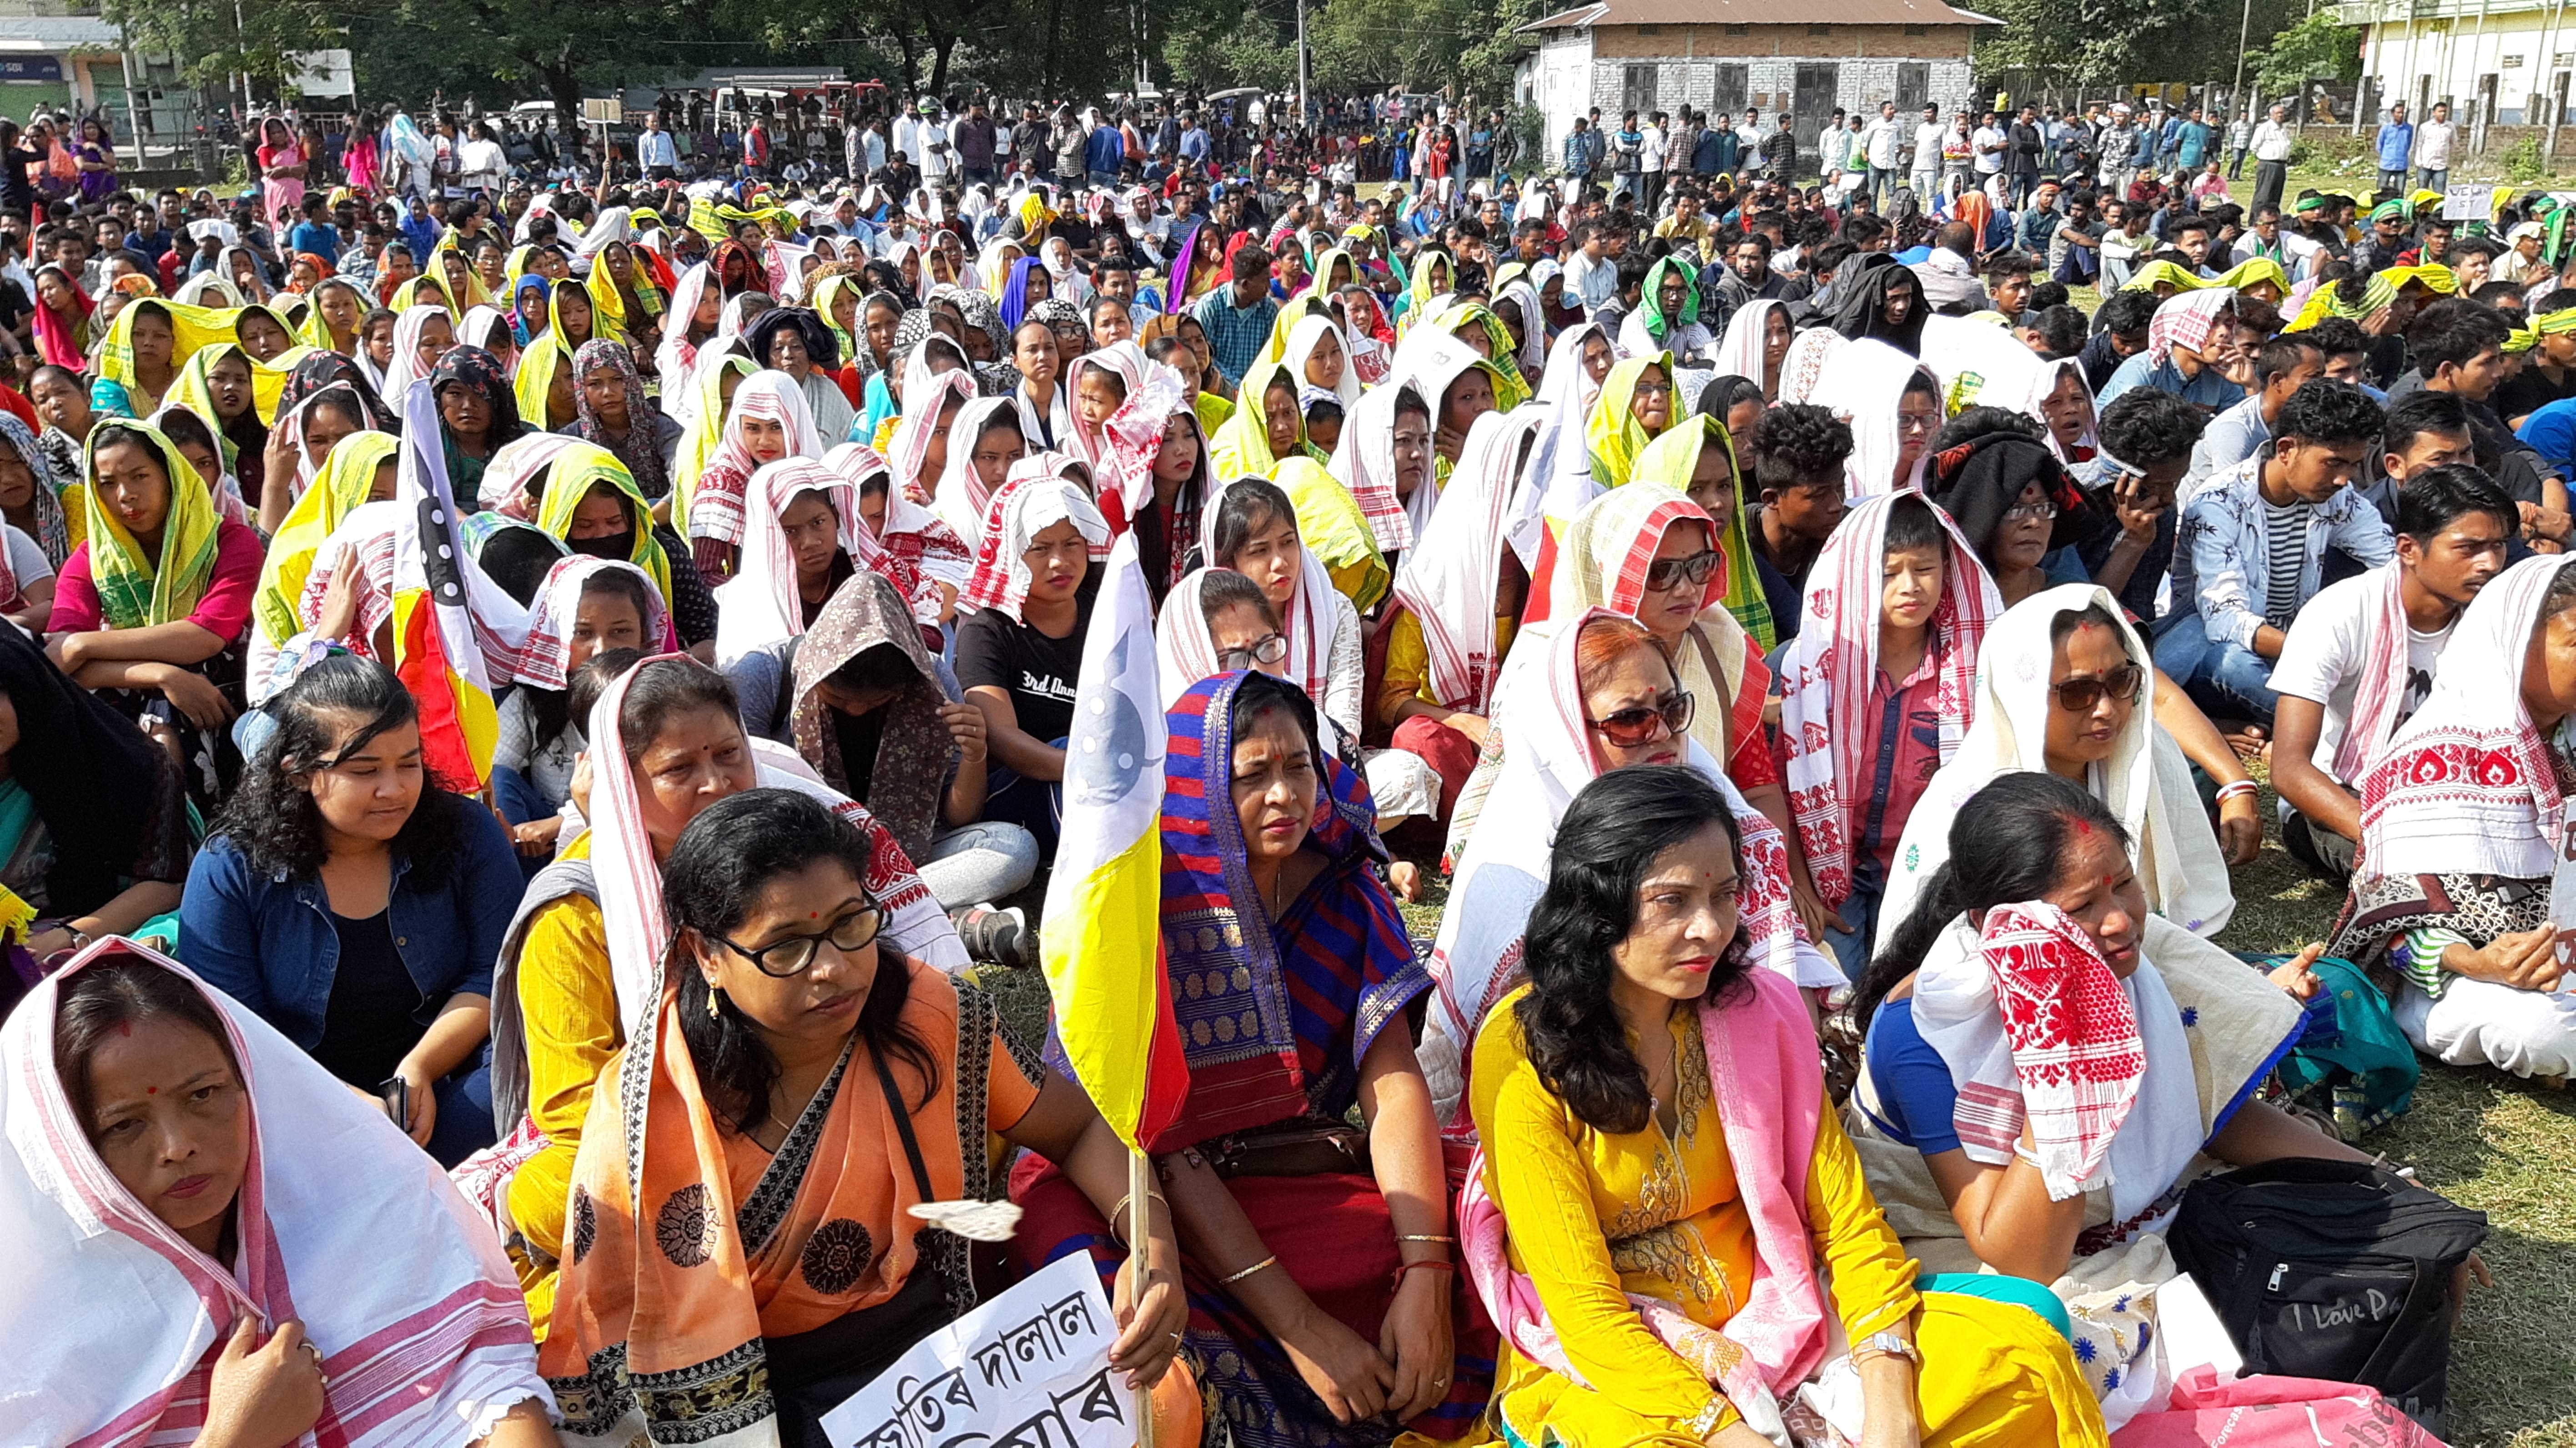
(1301, 64)
(2244, 28)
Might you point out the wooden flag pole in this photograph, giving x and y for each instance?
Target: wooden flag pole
(1140, 1262)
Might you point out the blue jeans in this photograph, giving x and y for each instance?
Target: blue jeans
(1860, 914)
(2437, 180)
(2227, 680)
(1035, 805)
(464, 1124)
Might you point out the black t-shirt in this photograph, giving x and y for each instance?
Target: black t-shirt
(369, 1024)
(860, 735)
(2530, 390)
(996, 651)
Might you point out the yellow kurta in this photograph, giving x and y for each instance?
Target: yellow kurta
(1408, 663)
(568, 1000)
(1594, 1216)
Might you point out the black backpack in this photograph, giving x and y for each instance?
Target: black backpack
(2336, 1270)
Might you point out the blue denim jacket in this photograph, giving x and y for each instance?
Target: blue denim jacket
(268, 942)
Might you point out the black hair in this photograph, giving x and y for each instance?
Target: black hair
(584, 685)
(2558, 301)
(2453, 330)
(2435, 498)
(2126, 312)
(671, 687)
(2421, 412)
(2339, 337)
(1161, 348)
(2327, 411)
(1724, 394)
(878, 667)
(723, 861)
(184, 427)
(1261, 694)
(2008, 843)
(1223, 588)
(271, 818)
(1610, 837)
(2005, 265)
(113, 994)
(2560, 597)
(2143, 426)
(1917, 384)
(2283, 354)
(1245, 505)
(1911, 524)
(2046, 293)
(2500, 295)
(1798, 442)
(1976, 422)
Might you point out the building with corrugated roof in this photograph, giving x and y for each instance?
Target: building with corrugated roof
(1734, 55)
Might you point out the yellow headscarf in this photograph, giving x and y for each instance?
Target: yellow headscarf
(1241, 448)
(1418, 292)
(477, 294)
(1613, 432)
(195, 390)
(315, 332)
(2255, 269)
(2163, 273)
(1670, 460)
(1331, 524)
(192, 328)
(828, 293)
(347, 478)
(407, 296)
(575, 471)
(699, 438)
(536, 379)
(599, 329)
(1512, 389)
(134, 591)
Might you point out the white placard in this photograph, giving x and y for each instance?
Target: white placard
(321, 73)
(2468, 203)
(1029, 1369)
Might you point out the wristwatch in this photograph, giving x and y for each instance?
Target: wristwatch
(1890, 1344)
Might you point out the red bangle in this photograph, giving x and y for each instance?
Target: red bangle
(1427, 1265)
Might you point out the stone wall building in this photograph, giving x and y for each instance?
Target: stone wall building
(1731, 55)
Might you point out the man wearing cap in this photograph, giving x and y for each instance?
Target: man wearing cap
(2433, 148)
(2389, 224)
(2521, 263)
(2272, 157)
(2396, 148)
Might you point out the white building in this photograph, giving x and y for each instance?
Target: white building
(1728, 55)
(2497, 61)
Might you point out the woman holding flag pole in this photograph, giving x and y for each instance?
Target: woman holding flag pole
(1213, 897)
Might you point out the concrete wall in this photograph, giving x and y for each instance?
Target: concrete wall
(1770, 81)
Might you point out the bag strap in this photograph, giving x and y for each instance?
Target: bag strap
(903, 1124)
(1708, 661)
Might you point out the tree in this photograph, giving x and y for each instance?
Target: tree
(216, 42)
(414, 48)
(2317, 48)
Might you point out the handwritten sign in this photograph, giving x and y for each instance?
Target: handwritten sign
(1029, 1369)
(2468, 203)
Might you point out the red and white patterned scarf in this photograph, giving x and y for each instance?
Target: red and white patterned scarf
(1830, 669)
(2381, 689)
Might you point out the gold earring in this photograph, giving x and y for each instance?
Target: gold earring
(712, 1012)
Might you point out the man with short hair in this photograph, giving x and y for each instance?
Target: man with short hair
(1883, 147)
(2347, 682)
(2396, 147)
(2272, 140)
(2021, 156)
(2253, 546)
(655, 151)
(2433, 148)
(1238, 317)
(2146, 439)
(2285, 364)
(1924, 172)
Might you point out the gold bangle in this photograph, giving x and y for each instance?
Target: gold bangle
(1118, 1213)
(1705, 1422)
(1233, 1278)
(1426, 1237)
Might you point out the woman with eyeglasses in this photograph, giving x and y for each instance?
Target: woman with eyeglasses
(1881, 687)
(666, 743)
(741, 1210)
(1607, 699)
(1321, 1254)
(1635, 406)
(1217, 621)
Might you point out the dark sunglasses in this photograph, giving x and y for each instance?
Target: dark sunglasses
(2081, 696)
(791, 956)
(1642, 725)
(1666, 573)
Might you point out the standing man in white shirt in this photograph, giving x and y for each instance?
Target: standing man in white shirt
(655, 151)
(2433, 147)
(1882, 142)
(1989, 144)
(1651, 154)
(2272, 156)
(1925, 172)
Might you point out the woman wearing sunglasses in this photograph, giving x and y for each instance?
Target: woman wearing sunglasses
(1607, 700)
(2067, 688)
(742, 1216)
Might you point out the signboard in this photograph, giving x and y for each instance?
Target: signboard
(1029, 1369)
(2469, 203)
(31, 67)
(322, 73)
(608, 111)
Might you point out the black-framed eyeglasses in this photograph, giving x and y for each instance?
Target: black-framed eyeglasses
(2082, 696)
(1267, 649)
(1631, 727)
(793, 955)
(1695, 568)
